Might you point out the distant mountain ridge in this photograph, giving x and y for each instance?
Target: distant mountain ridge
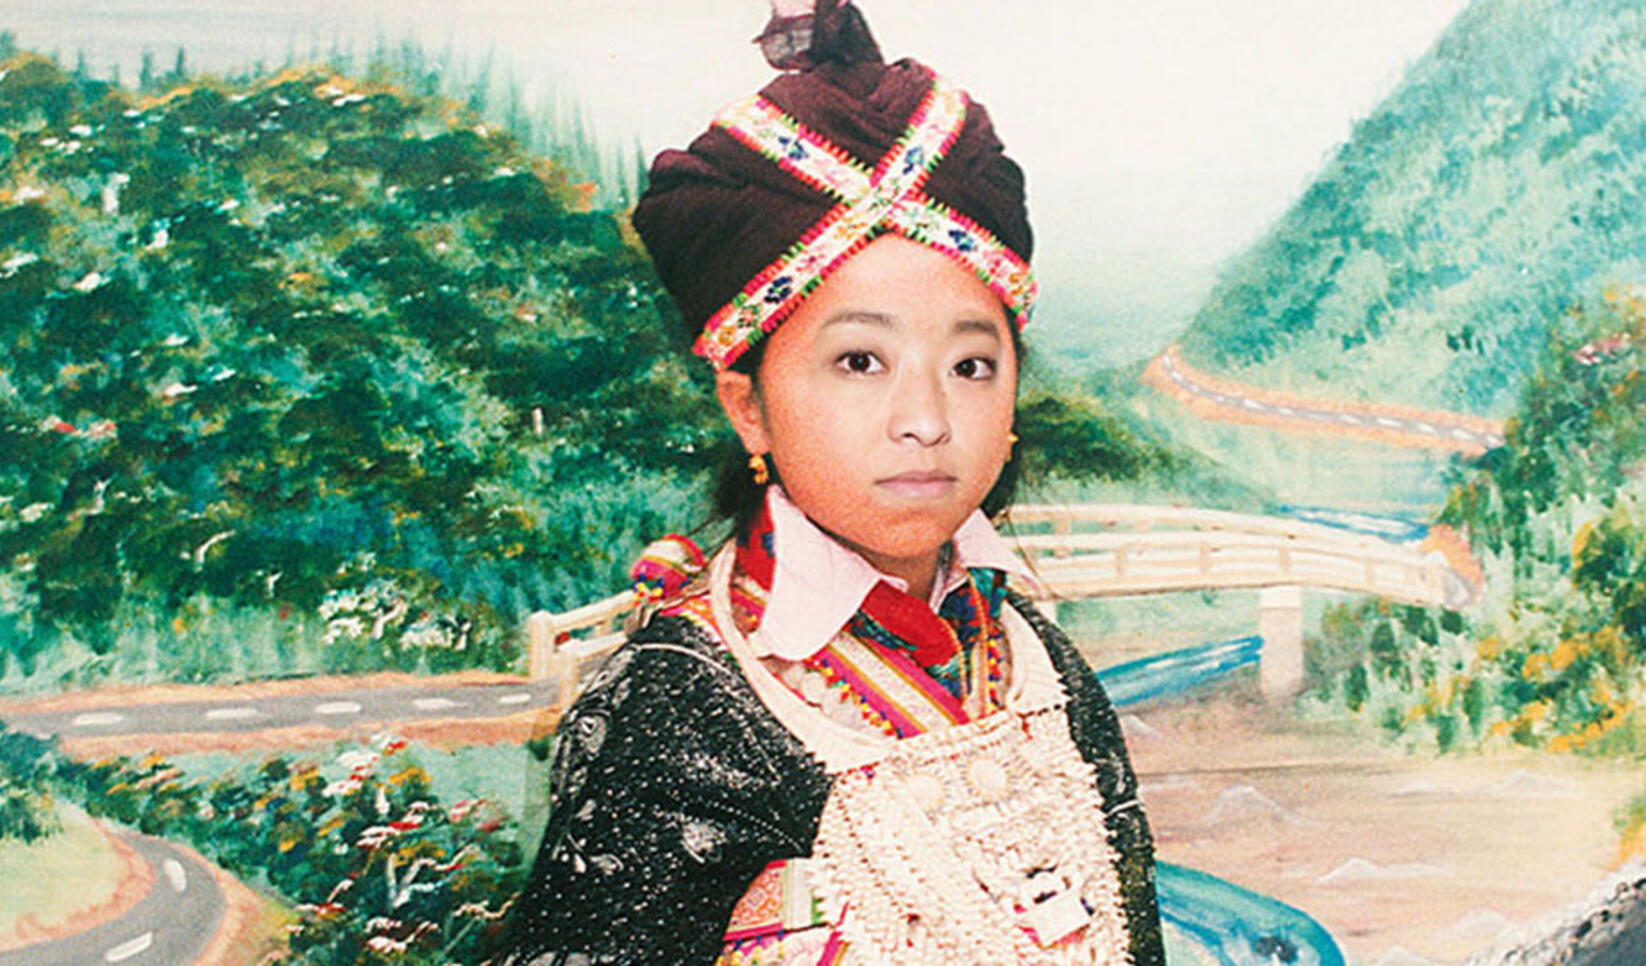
(1500, 186)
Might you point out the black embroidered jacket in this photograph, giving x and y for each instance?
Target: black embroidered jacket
(673, 787)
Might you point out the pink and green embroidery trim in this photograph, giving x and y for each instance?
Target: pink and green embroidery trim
(871, 202)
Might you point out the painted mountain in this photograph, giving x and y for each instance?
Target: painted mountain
(1499, 188)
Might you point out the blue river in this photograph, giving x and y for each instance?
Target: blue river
(1210, 921)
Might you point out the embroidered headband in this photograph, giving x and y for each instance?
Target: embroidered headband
(777, 195)
(871, 202)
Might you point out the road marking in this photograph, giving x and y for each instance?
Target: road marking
(1351, 420)
(231, 714)
(1391, 423)
(435, 704)
(514, 699)
(1467, 434)
(174, 875)
(94, 719)
(337, 707)
(127, 950)
(1426, 428)
(1253, 404)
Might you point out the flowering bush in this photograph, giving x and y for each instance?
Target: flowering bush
(383, 611)
(412, 880)
(378, 870)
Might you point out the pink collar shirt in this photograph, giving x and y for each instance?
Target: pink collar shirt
(818, 584)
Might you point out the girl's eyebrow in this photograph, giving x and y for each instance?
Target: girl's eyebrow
(860, 317)
(983, 326)
(886, 321)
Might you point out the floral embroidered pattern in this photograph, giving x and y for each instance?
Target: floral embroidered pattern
(888, 198)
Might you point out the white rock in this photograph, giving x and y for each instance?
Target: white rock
(1526, 784)
(1136, 729)
(1244, 803)
(1401, 956)
(1417, 787)
(1485, 924)
(1361, 870)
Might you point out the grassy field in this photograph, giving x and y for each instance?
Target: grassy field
(49, 882)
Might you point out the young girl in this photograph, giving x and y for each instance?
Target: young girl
(844, 738)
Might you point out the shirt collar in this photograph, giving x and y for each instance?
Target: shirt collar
(818, 584)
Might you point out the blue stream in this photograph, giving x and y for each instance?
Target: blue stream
(1230, 926)
(1389, 528)
(1175, 672)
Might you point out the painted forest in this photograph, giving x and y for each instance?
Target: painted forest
(326, 372)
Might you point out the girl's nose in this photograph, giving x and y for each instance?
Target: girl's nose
(919, 411)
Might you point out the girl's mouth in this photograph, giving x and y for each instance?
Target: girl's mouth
(918, 484)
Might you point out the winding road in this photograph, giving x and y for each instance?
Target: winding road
(1214, 398)
(171, 925)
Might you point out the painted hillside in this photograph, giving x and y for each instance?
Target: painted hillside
(311, 364)
(1498, 187)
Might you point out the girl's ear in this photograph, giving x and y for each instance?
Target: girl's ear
(741, 402)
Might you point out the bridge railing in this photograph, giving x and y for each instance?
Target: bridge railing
(1080, 565)
(553, 650)
(1150, 517)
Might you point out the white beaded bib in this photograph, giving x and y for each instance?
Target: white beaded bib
(981, 843)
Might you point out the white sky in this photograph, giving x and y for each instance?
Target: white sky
(1159, 137)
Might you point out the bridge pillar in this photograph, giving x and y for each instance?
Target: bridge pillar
(1056, 608)
(548, 660)
(540, 645)
(1280, 624)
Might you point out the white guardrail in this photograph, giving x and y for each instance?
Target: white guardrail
(1111, 550)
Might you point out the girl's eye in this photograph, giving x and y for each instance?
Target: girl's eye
(859, 362)
(976, 367)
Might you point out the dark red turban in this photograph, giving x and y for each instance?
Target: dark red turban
(787, 185)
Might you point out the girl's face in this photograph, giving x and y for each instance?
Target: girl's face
(886, 403)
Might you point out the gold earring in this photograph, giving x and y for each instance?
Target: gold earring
(1011, 442)
(762, 472)
(1011, 438)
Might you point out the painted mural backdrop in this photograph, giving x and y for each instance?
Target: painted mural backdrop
(321, 377)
